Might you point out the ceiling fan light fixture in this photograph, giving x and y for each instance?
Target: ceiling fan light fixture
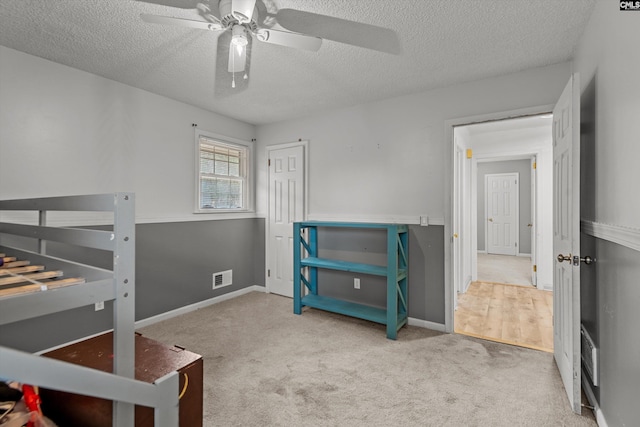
(239, 36)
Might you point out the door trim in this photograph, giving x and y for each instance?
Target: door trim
(449, 157)
(305, 154)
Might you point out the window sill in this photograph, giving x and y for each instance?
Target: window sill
(223, 211)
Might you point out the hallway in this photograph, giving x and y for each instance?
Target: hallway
(511, 314)
(515, 270)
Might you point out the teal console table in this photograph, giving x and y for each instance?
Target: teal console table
(307, 263)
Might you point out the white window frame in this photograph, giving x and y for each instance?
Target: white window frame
(247, 168)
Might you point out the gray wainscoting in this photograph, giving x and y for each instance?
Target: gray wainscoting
(610, 297)
(426, 268)
(174, 267)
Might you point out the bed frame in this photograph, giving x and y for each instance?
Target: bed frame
(30, 286)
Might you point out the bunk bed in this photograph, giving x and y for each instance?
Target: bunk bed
(31, 285)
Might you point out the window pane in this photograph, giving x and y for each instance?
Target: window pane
(234, 169)
(222, 178)
(206, 162)
(222, 168)
(220, 193)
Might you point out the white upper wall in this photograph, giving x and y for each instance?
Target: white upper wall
(64, 131)
(384, 161)
(609, 49)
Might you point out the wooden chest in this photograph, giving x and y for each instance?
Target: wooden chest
(153, 361)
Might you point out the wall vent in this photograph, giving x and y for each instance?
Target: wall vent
(589, 355)
(223, 278)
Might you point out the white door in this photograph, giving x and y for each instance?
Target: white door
(533, 223)
(566, 239)
(502, 213)
(286, 205)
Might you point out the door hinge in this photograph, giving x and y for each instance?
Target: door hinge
(516, 244)
(535, 164)
(535, 268)
(269, 162)
(268, 273)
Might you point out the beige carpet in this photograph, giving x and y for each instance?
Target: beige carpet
(265, 366)
(513, 270)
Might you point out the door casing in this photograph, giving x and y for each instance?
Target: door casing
(449, 154)
(305, 147)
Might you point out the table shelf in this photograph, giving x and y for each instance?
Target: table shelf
(307, 263)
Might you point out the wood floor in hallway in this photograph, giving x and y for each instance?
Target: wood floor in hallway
(511, 314)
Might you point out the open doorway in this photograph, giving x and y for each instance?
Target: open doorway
(505, 221)
(503, 271)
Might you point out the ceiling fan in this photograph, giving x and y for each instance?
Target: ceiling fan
(239, 23)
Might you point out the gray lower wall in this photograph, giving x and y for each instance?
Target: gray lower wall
(610, 297)
(523, 167)
(175, 263)
(174, 267)
(426, 268)
(609, 288)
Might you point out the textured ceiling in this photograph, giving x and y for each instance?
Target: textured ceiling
(443, 42)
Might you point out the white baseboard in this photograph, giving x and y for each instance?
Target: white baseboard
(169, 314)
(201, 304)
(523, 254)
(591, 397)
(46, 350)
(482, 252)
(467, 284)
(426, 324)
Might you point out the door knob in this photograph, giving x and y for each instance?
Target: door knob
(490, 219)
(529, 225)
(576, 260)
(588, 260)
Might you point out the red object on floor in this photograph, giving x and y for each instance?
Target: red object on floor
(32, 400)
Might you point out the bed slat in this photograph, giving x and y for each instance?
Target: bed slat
(37, 288)
(15, 264)
(20, 270)
(29, 277)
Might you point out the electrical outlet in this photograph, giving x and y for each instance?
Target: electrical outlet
(356, 283)
(99, 306)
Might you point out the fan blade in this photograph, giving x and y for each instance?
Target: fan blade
(181, 4)
(340, 30)
(201, 25)
(242, 10)
(237, 58)
(283, 38)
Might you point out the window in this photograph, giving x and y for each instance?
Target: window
(223, 166)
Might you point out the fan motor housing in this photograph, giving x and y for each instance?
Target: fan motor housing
(228, 20)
